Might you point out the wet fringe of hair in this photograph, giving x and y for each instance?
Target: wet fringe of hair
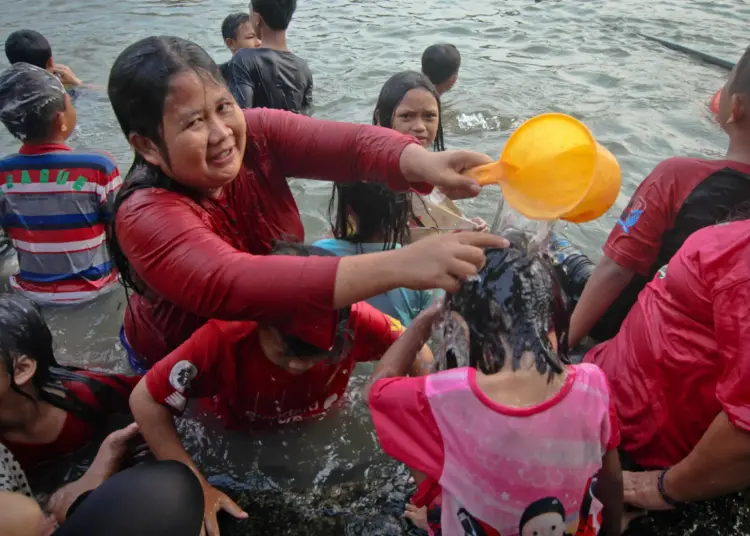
(377, 209)
(108, 398)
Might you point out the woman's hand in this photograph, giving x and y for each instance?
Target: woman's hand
(215, 501)
(481, 225)
(642, 490)
(443, 169)
(443, 261)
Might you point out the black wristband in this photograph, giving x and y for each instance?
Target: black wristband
(660, 483)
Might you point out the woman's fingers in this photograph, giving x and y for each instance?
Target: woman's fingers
(228, 505)
(212, 526)
(461, 269)
(481, 240)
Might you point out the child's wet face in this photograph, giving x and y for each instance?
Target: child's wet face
(246, 37)
(417, 115)
(204, 133)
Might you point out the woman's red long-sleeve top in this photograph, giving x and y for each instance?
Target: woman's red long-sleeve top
(207, 259)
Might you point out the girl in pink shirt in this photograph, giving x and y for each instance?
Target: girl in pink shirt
(513, 434)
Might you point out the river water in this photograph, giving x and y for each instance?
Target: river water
(520, 58)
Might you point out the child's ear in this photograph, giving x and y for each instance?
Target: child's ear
(61, 124)
(229, 42)
(50, 63)
(737, 108)
(24, 369)
(147, 149)
(376, 115)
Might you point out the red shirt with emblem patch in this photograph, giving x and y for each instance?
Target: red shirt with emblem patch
(680, 357)
(224, 360)
(679, 197)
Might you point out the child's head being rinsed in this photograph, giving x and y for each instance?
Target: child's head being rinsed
(512, 312)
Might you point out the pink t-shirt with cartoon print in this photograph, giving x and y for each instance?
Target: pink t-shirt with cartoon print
(504, 471)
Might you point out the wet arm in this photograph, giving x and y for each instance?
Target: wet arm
(718, 465)
(328, 150)
(606, 283)
(401, 356)
(609, 491)
(157, 427)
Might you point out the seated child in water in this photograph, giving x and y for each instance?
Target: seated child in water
(48, 410)
(511, 432)
(56, 202)
(258, 375)
(28, 46)
(238, 32)
(440, 63)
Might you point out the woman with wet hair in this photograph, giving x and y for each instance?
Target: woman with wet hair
(48, 410)
(511, 421)
(207, 195)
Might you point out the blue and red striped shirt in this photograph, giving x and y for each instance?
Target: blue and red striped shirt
(55, 206)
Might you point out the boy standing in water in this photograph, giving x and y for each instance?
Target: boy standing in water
(440, 63)
(56, 202)
(272, 76)
(31, 47)
(238, 32)
(681, 196)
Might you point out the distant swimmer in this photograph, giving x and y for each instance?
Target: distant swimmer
(238, 33)
(272, 76)
(440, 63)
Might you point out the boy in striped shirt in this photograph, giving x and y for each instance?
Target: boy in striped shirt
(55, 203)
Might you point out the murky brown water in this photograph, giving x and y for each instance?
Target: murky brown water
(520, 58)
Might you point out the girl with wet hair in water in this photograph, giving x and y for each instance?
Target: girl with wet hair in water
(207, 195)
(48, 410)
(510, 420)
(369, 217)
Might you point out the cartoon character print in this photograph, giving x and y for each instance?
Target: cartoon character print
(545, 517)
(632, 214)
(473, 526)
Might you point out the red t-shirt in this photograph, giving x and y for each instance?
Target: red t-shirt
(224, 360)
(680, 197)
(209, 258)
(679, 358)
(77, 430)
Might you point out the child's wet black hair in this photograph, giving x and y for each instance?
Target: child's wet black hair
(381, 214)
(139, 83)
(394, 91)
(232, 24)
(277, 14)
(440, 62)
(30, 99)
(513, 304)
(23, 332)
(28, 46)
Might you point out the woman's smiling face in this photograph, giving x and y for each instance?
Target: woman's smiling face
(203, 132)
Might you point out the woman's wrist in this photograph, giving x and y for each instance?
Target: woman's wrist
(662, 485)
